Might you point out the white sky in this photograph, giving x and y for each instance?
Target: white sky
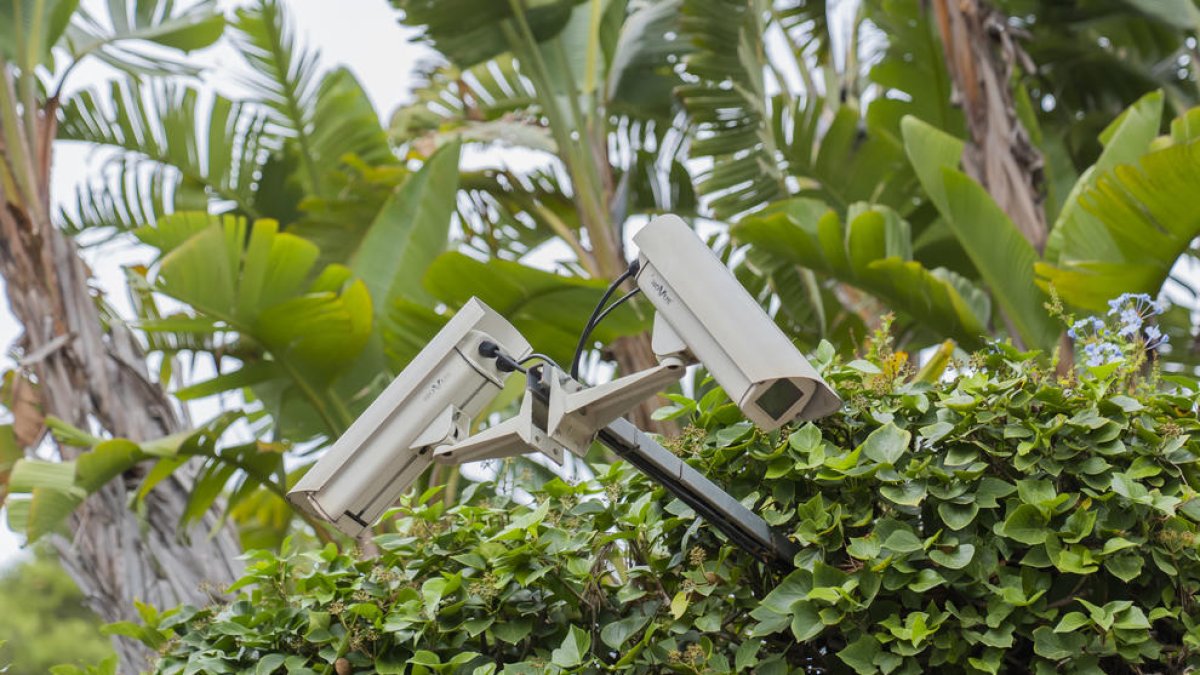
(361, 34)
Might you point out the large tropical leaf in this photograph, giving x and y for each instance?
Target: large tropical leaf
(1139, 219)
(10, 454)
(1003, 257)
(305, 341)
(1095, 58)
(763, 147)
(412, 229)
(178, 150)
(549, 309)
(1124, 141)
(507, 214)
(836, 158)
(259, 283)
(808, 27)
(872, 251)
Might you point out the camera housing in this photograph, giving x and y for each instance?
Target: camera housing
(430, 404)
(714, 319)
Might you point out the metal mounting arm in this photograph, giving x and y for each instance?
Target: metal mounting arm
(547, 397)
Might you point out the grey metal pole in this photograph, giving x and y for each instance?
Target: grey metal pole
(743, 527)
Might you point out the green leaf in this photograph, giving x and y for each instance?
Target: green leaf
(726, 101)
(549, 309)
(957, 559)
(1036, 492)
(28, 42)
(574, 648)
(1071, 622)
(747, 655)
(994, 245)
(160, 168)
(957, 516)
(903, 541)
(908, 493)
(679, 604)
(31, 474)
(114, 35)
(1125, 567)
(1026, 524)
(860, 654)
(1125, 140)
(328, 117)
(887, 444)
(926, 579)
(107, 460)
(873, 252)
(794, 586)
(806, 621)
(1139, 221)
(1181, 14)
(269, 663)
(257, 280)
(1054, 646)
(468, 35)
(512, 631)
(412, 229)
(616, 633)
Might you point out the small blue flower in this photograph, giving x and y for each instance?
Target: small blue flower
(1155, 337)
(1101, 353)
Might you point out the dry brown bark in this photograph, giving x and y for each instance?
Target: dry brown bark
(982, 54)
(93, 376)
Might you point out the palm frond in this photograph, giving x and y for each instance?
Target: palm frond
(466, 30)
(285, 75)
(806, 23)
(176, 149)
(642, 75)
(346, 123)
(326, 117)
(911, 71)
(727, 104)
(450, 99)
(118, 34)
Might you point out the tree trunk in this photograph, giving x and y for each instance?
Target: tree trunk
(94, 377)
(982, 55)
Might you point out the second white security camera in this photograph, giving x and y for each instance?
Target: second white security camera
(711, 316)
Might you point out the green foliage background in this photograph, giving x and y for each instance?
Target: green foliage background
(1004, 521)
(44, 620)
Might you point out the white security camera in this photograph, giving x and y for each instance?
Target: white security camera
(429, 405)
(714, 319)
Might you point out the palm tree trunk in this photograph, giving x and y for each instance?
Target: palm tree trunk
(982, 55)
(94, 377)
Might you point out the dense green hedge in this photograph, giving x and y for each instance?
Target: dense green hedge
(1007, 520)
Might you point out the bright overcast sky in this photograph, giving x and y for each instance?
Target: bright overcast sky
(360, 34)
